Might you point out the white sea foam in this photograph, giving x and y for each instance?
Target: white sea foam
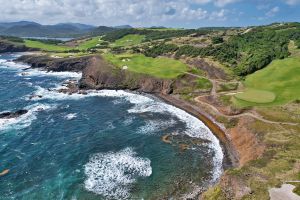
(12, 65)
(71, 116)
(155, 125)
(194, 127)
(112, 174)
(38, 72)
(25, 120)
(128, 121)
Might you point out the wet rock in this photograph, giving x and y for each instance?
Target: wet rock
(4, 172)
(9, 115)
(35, 97)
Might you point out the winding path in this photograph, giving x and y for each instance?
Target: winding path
(214, 94)
(256, 116)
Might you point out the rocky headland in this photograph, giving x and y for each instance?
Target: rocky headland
(239, 143)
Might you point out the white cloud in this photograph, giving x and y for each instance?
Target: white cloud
(220, 15)
(219, 3)
(110, 12)
(222, 3)
(272, 12)
(292, 2)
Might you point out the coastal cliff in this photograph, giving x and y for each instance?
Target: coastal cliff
(10, 47)
(99, 74)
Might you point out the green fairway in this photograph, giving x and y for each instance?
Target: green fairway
(93, 42)
(129, 40)
(281, 77)
(46, 47)
(158, 67)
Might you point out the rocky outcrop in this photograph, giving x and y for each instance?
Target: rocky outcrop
(58, 65)
(9, 115)
(6, 47)
(101, 75)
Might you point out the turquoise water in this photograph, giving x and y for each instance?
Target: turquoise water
(104, 145)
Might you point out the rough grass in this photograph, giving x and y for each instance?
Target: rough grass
(89, 43)
(46, 47)
(293, 49)
(164, 68)
(60, 48)
(281, 77)
(129, 40)
(224, 87)
(214, 193)
(203, 83)
(256, 96)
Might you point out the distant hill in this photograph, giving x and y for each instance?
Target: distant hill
(100, 30)
(123, 27)
(79, 26)
(32, 29)
(20, 23)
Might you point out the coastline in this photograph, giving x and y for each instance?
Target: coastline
(230, 155)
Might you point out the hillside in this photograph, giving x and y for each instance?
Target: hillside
(242, 82)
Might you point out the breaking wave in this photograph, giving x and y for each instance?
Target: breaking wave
(112, 174)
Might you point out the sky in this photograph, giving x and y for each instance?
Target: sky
(146, 13)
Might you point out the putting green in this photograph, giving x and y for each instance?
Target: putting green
(256, 96)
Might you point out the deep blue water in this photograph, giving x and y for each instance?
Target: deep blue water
(104, 145)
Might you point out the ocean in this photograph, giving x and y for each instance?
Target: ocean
(103, 145)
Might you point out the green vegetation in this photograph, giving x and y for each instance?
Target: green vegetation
(46, 47)
(57, 46)
(152, 34)
(160, 49)
(223, 87)
(12, 39)
(297, 188)
(256, 96)
(196, 71)
(158, 67)
(245, 53)
(281, 77)
(294, 50)
(90, 43)
(203, 83)
(217, 40)
(129, 40)
(214, 193)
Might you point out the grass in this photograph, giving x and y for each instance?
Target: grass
(46, 47)
(197, 71)
(67, 55)
(129, 40)
(89, 43)
(281, 77)
(278, 164)
(203, 83)
(256, 96)
(224, 87)
(61, 48)
(164, 68)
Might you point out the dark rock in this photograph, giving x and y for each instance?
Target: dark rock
(35, 96)
(101, 75)
(9, 115)
(6, 47)
(53, 64)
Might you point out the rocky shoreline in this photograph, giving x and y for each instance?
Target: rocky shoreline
(6, 47)
(98, 74)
